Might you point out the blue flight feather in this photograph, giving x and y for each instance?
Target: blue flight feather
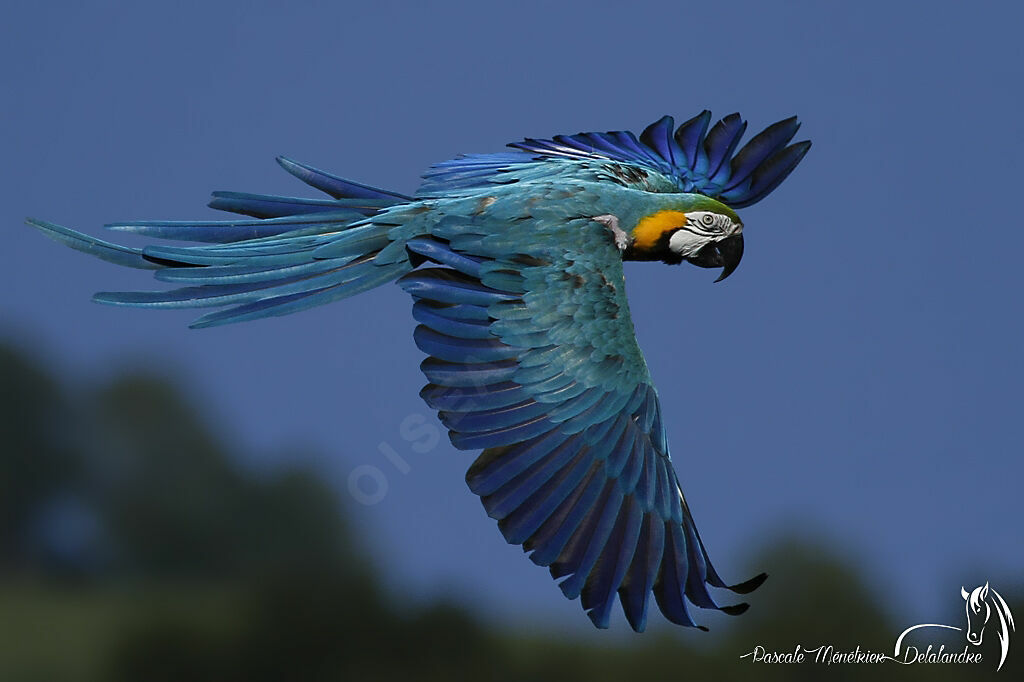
(598, 594)
(270, 206)
(760, 147)
(767, 176)
(635, 590)
(469, 374)
(230, 294)
(437, 285)
(338, 188)
(670, 587)
(451, 398)
(522, 524)
(229, 231)
(455, 349)
(552, 536)
(113, 253)
(429, 316)
(690, 138)
(720, 144)
(621, 454)
(512, 495)
(594, 544)
(494, 469)
(489, 421)
(285, 305)
(238, 274)
(498, 437)
(438, 253)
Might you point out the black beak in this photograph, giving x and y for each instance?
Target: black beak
(725, 254)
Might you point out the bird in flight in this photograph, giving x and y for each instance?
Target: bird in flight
(514, 263)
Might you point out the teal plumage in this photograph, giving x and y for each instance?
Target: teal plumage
(514, 263)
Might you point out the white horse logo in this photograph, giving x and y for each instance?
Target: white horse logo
(980, 603)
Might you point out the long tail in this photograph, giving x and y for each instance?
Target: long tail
(289, 255)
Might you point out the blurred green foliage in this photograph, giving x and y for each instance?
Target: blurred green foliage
(134, 547)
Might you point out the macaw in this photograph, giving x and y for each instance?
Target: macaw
(514, 263)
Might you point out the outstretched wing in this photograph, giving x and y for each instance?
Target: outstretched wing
(533, 359)
(690, 158)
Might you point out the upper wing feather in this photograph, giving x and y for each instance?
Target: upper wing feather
(690, 158)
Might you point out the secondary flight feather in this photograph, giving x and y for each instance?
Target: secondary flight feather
(514, 263)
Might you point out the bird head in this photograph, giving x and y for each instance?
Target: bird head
(697, 229)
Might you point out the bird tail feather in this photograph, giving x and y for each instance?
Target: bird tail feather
(288, 255)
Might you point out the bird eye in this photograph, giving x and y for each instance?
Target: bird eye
(708, 219)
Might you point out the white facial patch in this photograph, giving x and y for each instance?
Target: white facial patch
(686, 243)
(711, 223)
(702, 227)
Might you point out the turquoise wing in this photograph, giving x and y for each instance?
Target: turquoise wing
(695, 157)
(534, 360)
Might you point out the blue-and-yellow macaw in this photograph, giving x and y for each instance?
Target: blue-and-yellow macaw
(514, 261)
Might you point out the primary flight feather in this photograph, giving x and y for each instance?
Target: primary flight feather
(514, 262)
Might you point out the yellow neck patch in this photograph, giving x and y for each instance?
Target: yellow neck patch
(650, 228)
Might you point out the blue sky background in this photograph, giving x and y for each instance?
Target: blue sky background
(866, 381)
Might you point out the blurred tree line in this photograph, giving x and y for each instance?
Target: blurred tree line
(134, 547)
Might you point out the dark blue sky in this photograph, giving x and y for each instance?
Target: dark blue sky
(867, 375)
